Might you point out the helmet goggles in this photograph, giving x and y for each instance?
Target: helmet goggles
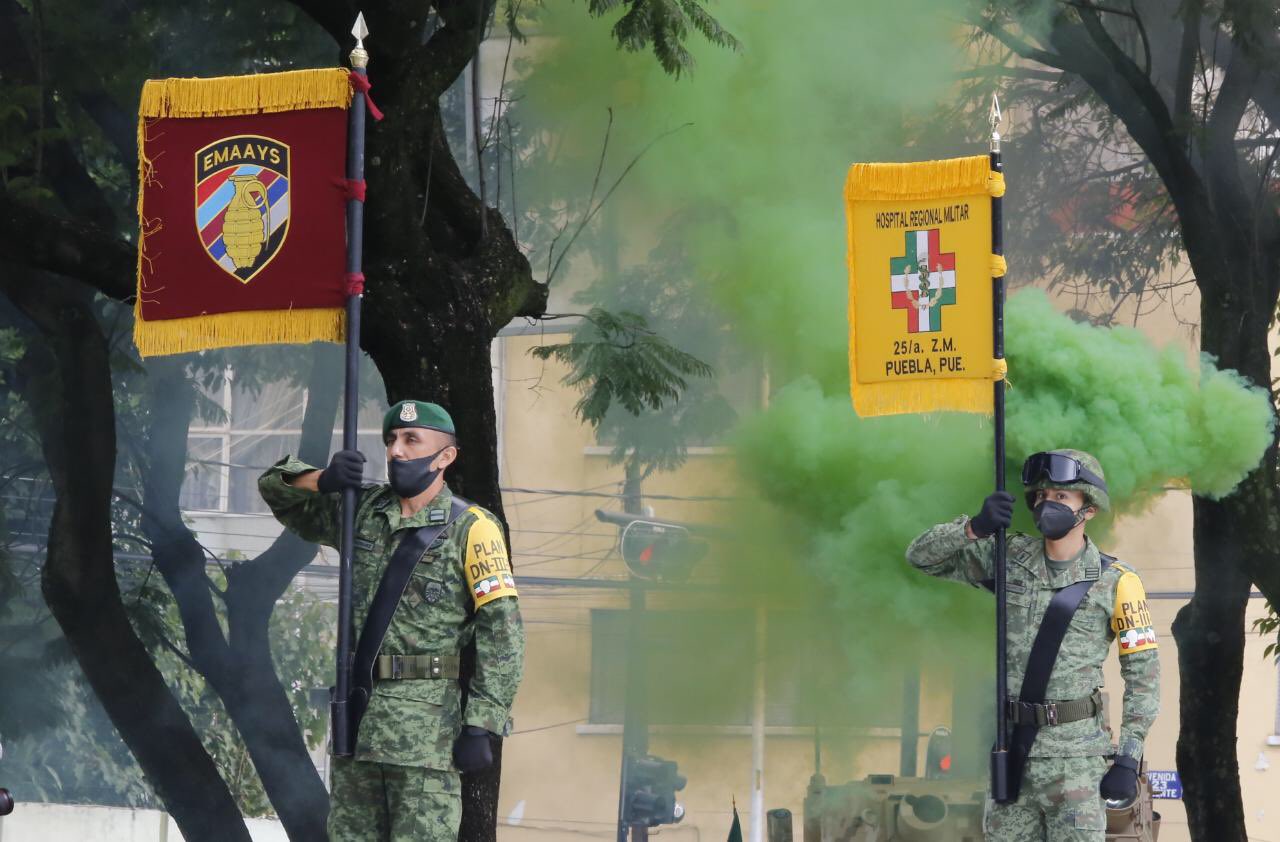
(1059, 469)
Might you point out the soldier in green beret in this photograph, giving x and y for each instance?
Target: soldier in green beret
(1071, 767)
(417, 732)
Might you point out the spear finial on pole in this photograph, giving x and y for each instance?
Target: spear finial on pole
(348, 702)
(995, 116)
(359, 56)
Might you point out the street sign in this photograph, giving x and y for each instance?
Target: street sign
(1165, 784)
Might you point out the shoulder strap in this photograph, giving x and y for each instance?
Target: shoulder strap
(1044, 654)
(394, 580)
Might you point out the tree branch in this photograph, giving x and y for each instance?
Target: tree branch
(1221, 159)
(1137, 79)
(39, 240)
(265, 579)
(1024, 48)
(1187, 52)
(334, 16)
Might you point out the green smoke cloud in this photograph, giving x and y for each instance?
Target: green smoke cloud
(761, 141)
(854, 492)
(755, 183)
(1144, 412)
(1149, 416)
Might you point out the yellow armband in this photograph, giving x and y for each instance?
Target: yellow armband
(487, 567)
(1130, 619)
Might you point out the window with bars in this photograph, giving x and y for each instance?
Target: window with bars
(225, 460)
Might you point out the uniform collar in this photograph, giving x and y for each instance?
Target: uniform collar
(389, 506)
(1086, 566)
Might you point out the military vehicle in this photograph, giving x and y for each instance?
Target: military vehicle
(938, 807)
(886, 808)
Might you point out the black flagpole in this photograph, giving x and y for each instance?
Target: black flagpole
(1000, 753)
(339, 706)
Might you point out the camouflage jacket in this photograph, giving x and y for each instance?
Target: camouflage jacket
(461, 590)
(1114, 608)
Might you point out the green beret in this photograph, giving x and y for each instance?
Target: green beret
(430, 416)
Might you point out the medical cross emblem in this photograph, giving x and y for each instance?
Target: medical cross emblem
(923, 281)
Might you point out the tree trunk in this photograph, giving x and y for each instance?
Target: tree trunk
(1209, 631)
(238, 666)
(68, 385)
(1236, 544)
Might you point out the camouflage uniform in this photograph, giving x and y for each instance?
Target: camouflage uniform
(401, 784)
(1059, 798)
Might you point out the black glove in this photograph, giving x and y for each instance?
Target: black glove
(997, 513)
(1120, 783)
(471, 751)
(346, 470)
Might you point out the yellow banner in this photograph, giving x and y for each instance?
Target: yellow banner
(920, 291)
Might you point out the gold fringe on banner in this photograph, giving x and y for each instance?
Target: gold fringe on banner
(897, 398)
(260, 93)
(225, 96)
(924, 180)
(226, 330)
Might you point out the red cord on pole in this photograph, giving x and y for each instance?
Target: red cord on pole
(355, 283)
(354, 189)
(362, 85)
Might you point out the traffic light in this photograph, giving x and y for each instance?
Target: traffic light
(937, 763)
(651, 784)
(656, 550)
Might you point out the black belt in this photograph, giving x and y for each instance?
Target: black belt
(1054, 713)
(392, 667)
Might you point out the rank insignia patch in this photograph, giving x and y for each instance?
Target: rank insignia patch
(242, 202)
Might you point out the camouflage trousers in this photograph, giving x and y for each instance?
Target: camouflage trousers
(1059, 802)
(381, 802)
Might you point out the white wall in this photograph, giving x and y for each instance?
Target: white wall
(81, 823)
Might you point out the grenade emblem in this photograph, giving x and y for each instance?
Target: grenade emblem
(248, 219)
(243, 201)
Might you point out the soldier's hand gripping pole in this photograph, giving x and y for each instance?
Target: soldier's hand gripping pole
(1000, 752)
(340, 709)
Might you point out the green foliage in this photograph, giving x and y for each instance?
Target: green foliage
(58, 742)
(665, 24)
(28, 687)
(618, 358)
(301, 647)
(84, 762)
(1269, 625)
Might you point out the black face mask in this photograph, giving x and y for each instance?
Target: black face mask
(411, 477)
(1055, 520)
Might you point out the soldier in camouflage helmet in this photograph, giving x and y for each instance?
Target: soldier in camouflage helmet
(1067, 775)
(416, 734)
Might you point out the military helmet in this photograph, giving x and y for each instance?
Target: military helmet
(1073, 470)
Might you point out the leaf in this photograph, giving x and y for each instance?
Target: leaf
(663, 25)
